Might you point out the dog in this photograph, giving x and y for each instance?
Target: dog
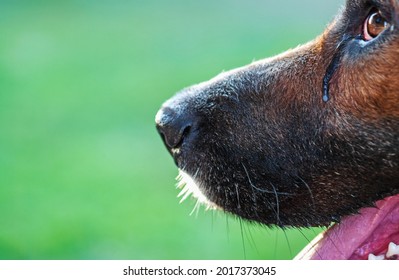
(307, 138)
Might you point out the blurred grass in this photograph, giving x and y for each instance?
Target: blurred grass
(83, 174)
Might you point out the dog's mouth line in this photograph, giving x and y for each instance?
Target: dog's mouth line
(372, 234)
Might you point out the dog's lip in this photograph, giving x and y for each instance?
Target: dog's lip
(358, 236)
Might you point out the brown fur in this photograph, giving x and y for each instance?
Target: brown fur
(261, 143)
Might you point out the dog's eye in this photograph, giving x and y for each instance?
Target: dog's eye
(374, 25)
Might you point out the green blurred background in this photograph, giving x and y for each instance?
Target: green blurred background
(83, 173)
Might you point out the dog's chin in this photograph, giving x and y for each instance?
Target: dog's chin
(190, 188)
(371, 234)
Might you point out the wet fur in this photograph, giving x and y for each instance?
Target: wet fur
(262, 143)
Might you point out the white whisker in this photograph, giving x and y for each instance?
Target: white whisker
(190, 188)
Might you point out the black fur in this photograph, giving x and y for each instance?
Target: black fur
(261, 143)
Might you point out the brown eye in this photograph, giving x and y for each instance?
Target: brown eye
(374, 25)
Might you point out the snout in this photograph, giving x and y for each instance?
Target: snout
(196, 115)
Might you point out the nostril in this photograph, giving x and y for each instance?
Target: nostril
(184, 134)
(172, 127)
(172, 136)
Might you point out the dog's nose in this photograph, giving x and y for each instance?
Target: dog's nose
(173, 125)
